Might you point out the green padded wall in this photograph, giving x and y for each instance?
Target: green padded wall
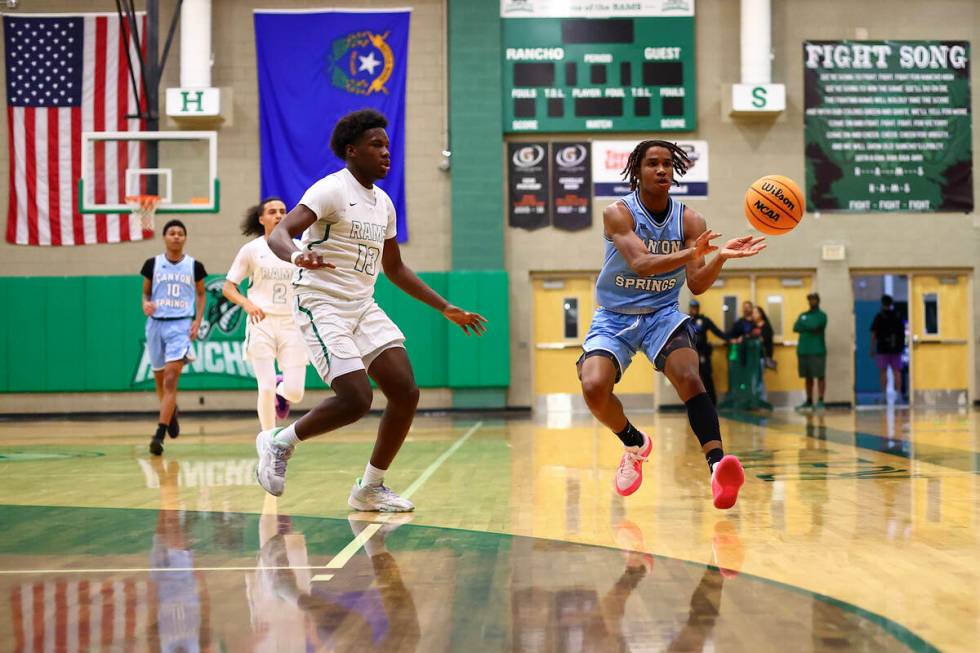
(84, 334)
(476, 128)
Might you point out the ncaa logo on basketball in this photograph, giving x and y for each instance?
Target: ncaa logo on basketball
(529, 156)
(764, 209)
(361, 63)
(571, 156)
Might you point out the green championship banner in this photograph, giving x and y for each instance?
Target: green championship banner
(888, 126)
(573, 66)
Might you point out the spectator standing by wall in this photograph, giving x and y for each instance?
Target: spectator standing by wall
(811, 352)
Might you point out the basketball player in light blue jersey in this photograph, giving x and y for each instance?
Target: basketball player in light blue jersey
(173, 302)
(654, 245)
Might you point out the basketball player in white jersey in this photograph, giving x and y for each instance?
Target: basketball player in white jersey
(348, 228)
(271, 333)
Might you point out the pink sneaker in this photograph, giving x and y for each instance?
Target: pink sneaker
(282, 405)
(726, 479)
(630, 472)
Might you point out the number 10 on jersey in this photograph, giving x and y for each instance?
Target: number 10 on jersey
(367, 259)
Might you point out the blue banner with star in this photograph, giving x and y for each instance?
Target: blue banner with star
(314, 67)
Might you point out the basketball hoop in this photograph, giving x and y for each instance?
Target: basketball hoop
(145, 207)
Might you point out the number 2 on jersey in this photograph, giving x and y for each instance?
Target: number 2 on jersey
(279, 293)
(367, 259)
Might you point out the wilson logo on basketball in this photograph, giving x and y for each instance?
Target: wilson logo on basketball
(777, 192)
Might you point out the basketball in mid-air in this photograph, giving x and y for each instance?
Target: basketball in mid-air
(774, 204)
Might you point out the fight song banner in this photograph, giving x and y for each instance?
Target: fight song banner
(571, 183)
(888, 126)
(528, 180)
(609, 159)
(313, 68)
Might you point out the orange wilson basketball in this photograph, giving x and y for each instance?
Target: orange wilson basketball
(774, 204)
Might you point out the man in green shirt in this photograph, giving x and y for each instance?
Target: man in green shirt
(811, 352)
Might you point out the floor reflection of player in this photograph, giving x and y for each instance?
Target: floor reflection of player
(278, 624)
(814, 493)
(182, 611)
(381, 617)
(612, 606)
(706, 600)
(587, 622)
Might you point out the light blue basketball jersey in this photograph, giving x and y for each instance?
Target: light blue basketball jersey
(173, 289)
(622, 290)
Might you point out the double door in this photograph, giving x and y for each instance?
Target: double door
(783, 298)
(563, 305)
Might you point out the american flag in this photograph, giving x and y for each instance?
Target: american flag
(80, 615)
(65, 75)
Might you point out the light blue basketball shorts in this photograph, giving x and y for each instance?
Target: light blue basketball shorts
(168, 341)
(622, 335)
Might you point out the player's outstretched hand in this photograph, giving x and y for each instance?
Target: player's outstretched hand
(743, 247)
(312, 261)
(703, 246)
(471, 323)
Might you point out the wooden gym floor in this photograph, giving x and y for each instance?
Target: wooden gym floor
(855, 531)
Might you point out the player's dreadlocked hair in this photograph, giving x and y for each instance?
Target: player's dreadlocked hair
(677, 155)
(251, 225)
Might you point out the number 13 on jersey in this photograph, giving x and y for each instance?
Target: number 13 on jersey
(367, 259)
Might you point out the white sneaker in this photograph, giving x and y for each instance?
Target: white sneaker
(271, 470)
(377, 498)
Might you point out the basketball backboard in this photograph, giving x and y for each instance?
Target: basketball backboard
(179, 166)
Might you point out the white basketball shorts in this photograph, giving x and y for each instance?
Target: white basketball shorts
(278, 337)
(343, 337)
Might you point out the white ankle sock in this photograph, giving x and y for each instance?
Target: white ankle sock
(373, 475)
(287, 436)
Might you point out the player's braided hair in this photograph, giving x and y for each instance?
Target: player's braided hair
(251, 225)
(350, 128)
(678, 157)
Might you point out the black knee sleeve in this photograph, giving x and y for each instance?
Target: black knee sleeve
(703, 417)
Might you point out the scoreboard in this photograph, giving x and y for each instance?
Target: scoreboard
(614, 74)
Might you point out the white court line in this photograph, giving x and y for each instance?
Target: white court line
(354, 546)
(337, 562)
(431, 469)
(348, 552)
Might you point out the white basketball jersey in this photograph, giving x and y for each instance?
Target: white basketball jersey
(352, 225)
(269, 277)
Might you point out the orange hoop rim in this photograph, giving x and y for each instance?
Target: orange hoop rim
(142, 200)
(144, 206)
